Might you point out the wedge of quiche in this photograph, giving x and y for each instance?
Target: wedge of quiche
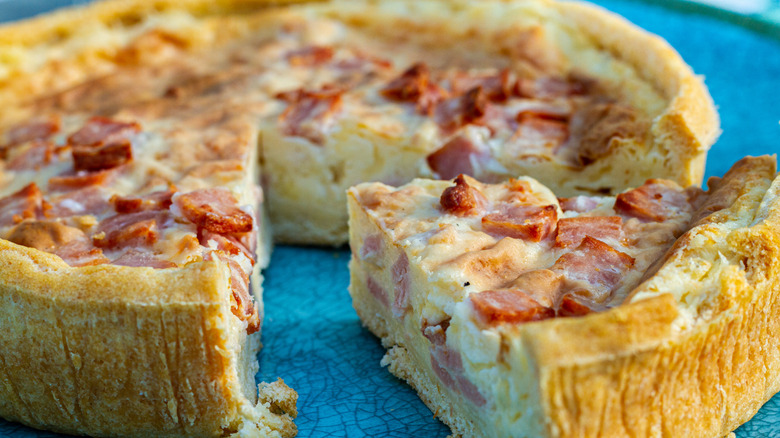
(513, 312)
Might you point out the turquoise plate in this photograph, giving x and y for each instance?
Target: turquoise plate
(312, 336)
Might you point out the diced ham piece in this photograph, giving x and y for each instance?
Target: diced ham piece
(81, 179)
(542, 285)
(577, 305)
(507, 306)
(27, 203)
(89, 200)
(454, 158)
(446, 362)
(39, 153)
(310, 113)
(159, 200)
(377, 291)
(310, 56)
(462, 199)
(31, 130)
(102, 143)
(372, 247)
(105, 156)
(462, 110)
(542, 130)
(597, 264)
(527, 222)
(496, 87)
(415, 86)
(594, 127)
(134, 229)
(656, 200)
(579, 204)
(135, 258)
(214, 210)
(102, 131)
(226, 243)
(239, 284)
(81, 253)
(571, 231)
(549, 88)
(401, 281)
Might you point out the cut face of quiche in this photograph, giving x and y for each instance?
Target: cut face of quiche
(143, 144)
(514, 312)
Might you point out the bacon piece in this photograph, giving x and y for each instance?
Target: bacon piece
(133, 229)
(31, 130)
(580, 204)
(462, 199)
(377, 291)
(103, 131)
(106, 156)
(89, 200)
(310, 56)
(507, 306)
(656, 200)
(528, 222)
(215, 210)
(595, 263)
(81, 179)
(496, 87)
(228, 244)
(400, 272)
(159, 200)
(454, 158)
(310, 113)
(39, 153)
(135, 258)
(27, 203)
(468, 108)
(415, 86)
(571, 231)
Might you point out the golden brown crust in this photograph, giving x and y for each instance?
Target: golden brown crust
(120, 353)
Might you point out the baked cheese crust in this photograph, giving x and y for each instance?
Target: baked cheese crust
(193, 103)
(514, 313)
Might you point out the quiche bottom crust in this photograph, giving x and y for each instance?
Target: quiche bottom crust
(655, 366)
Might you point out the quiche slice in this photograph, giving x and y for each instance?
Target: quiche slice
(386, 91)
(516, 313)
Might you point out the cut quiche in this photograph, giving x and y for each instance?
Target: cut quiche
(513, 312)
(144, 144)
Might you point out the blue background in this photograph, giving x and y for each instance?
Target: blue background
(313, 338)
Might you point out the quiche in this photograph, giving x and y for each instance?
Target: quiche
(151, 151)
(514, 312)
